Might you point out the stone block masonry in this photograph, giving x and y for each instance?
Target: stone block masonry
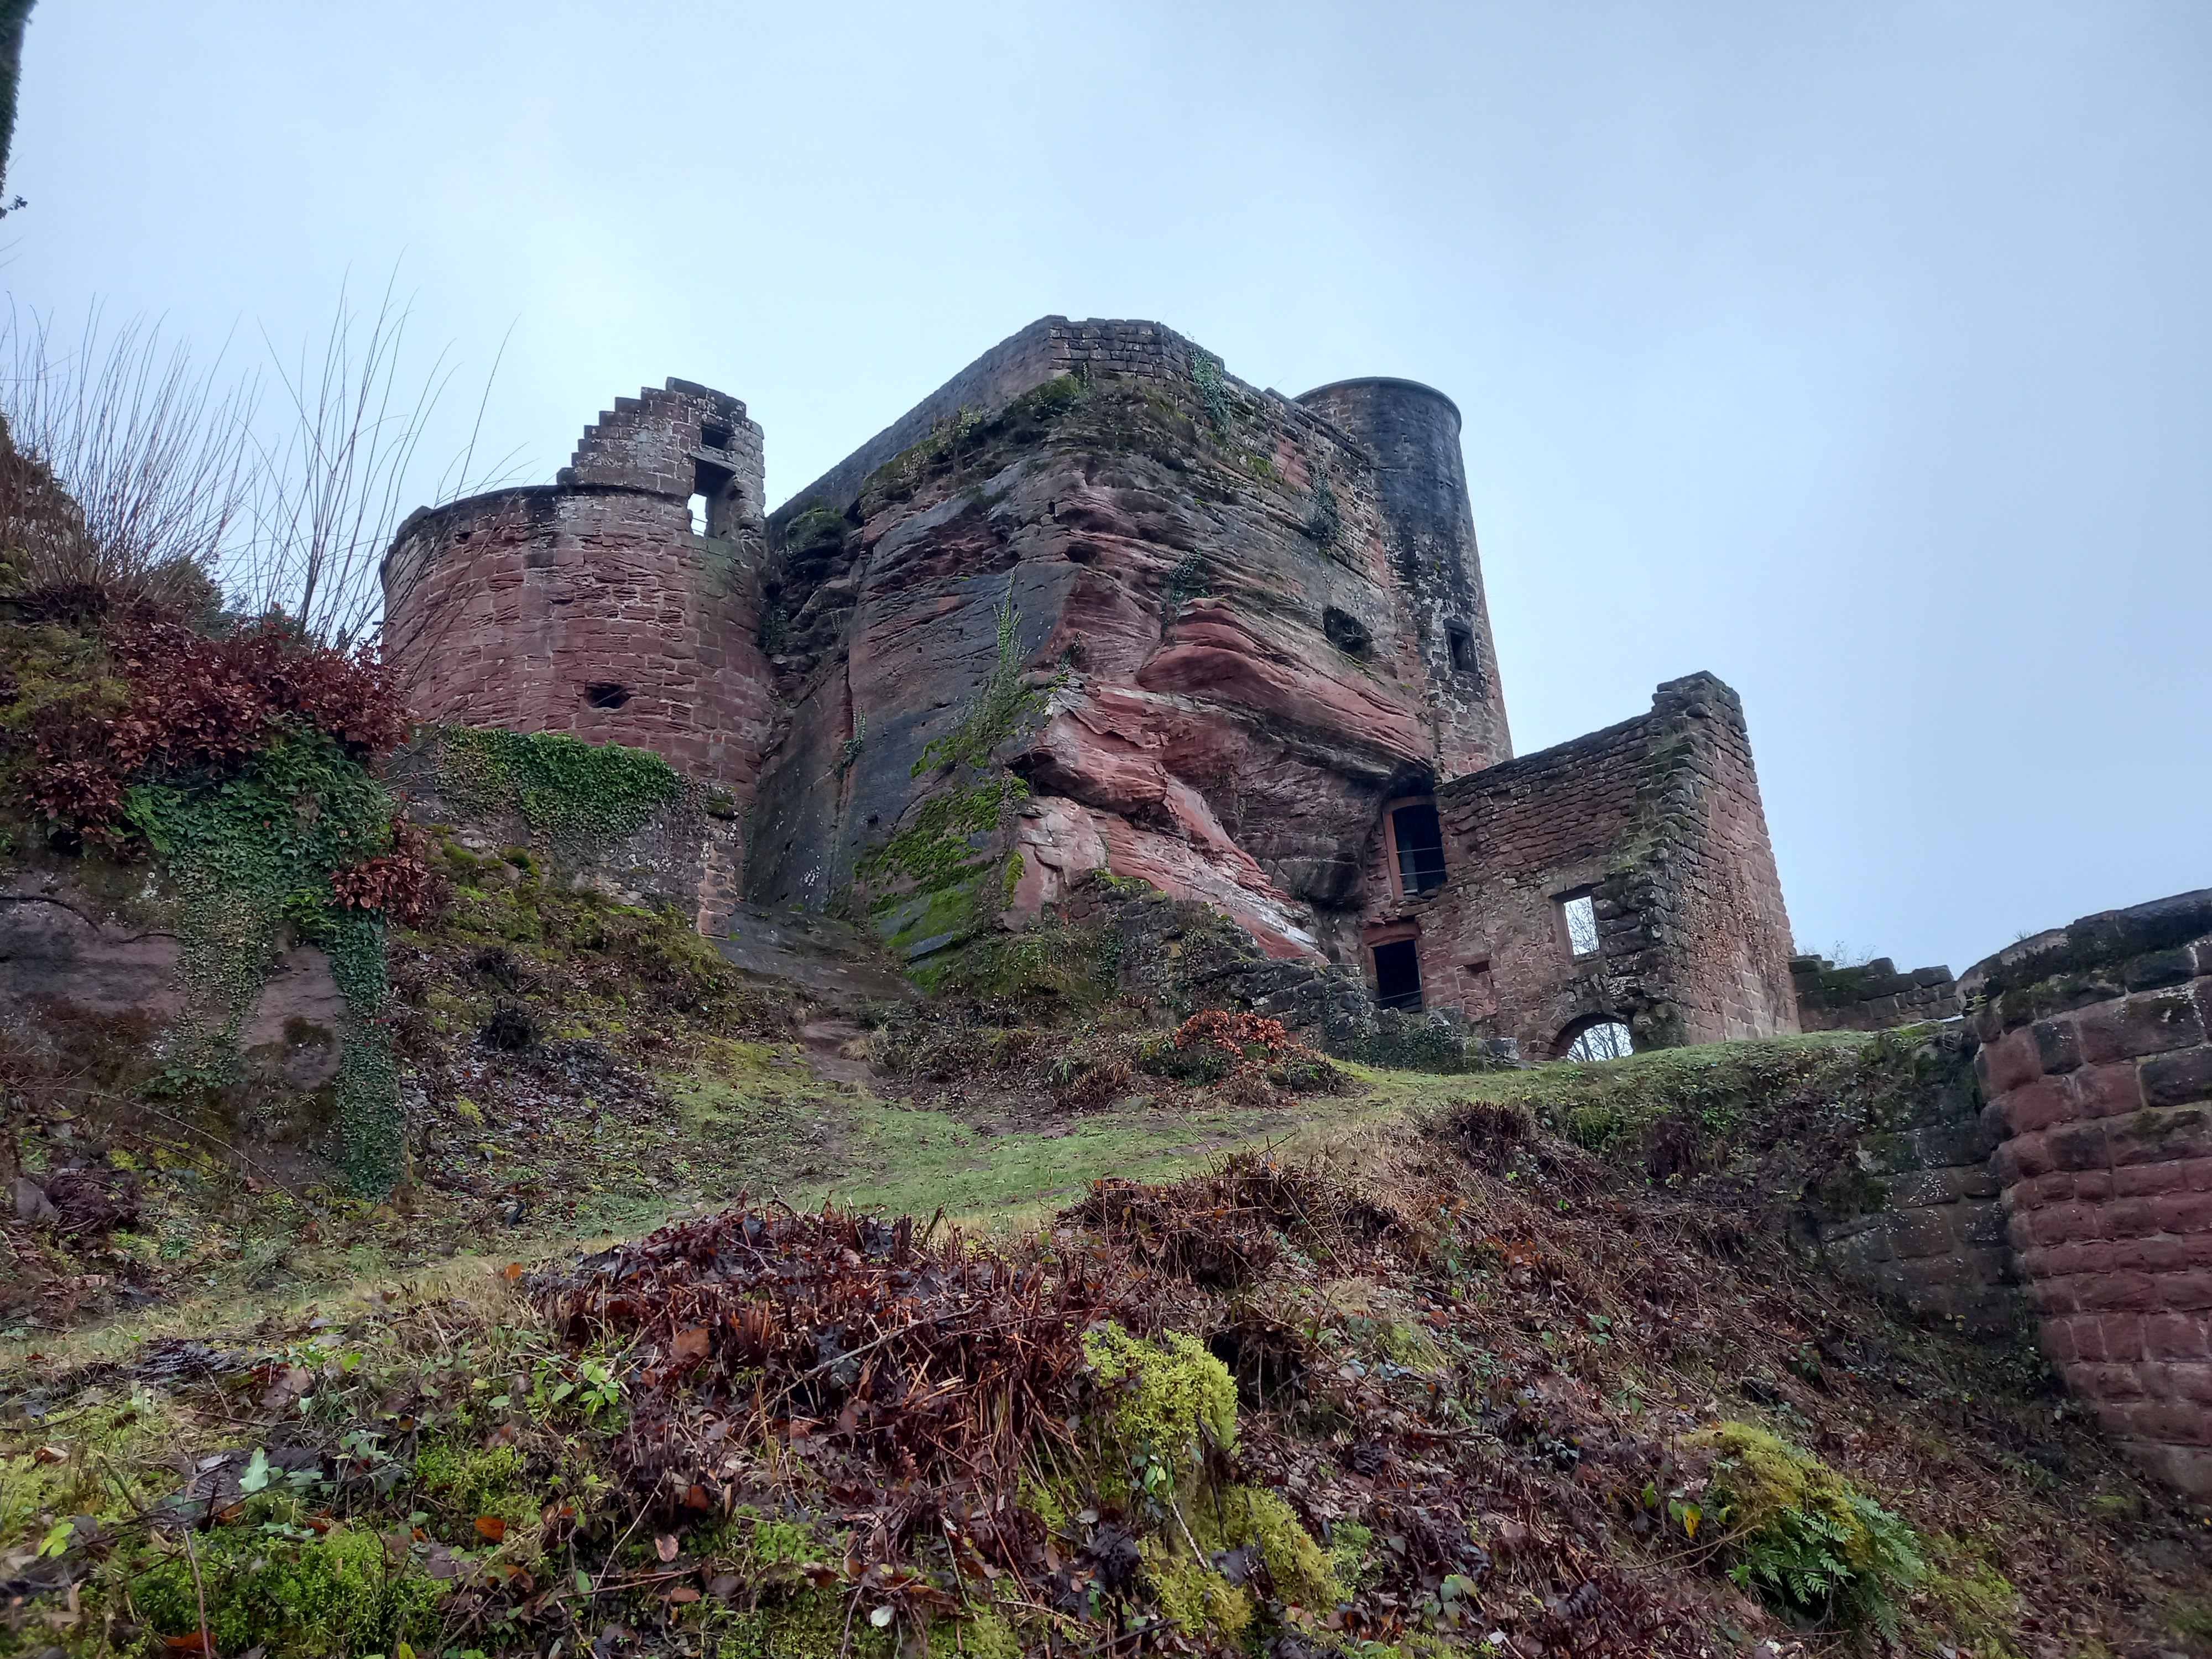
(590, 606)
(1657, 823)
(2096, 1065)
(1869, 996)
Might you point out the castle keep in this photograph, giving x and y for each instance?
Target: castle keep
(1097, 604)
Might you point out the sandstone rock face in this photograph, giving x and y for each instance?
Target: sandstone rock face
(1243, 623)
(1097, 604)
(67, 953)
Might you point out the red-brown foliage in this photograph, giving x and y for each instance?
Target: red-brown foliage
(1236, 1032)
(200, 703)
(400, 883)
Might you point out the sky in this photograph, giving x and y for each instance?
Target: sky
(1860, 354)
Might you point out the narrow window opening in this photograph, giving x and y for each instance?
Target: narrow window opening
(1580, 916)
(713, 499)
(1604, 1039)
(605, 696)
(1462, 644)
(714, 437)
(1398, 975)
(1420, 839)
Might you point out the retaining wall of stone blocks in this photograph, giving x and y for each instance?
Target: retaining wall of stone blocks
(2097, 1070)
(1870, 996)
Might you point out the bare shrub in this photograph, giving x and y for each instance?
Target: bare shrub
(342, 473)
(130, 477)
(128, 471)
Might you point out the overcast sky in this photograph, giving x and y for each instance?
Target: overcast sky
(1860, 354)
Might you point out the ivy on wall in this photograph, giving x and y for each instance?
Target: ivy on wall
(250, 855)
(566, 789)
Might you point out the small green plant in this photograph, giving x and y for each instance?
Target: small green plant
(851, 750)
(591, 1385)
(1804, 1538)
(1212, 391)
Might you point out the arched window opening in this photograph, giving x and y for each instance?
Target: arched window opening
(1600, 1039)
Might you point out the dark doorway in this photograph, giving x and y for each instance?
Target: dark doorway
(1398, 975)
(1420, 840)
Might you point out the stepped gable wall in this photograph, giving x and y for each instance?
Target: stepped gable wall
(590, 606)
(2096, 1062)
(1657, 821)
(1871, 996)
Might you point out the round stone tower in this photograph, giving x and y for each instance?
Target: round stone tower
(1412, 433)
(621, 604)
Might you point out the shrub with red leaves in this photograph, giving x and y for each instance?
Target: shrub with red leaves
(400, 883)
(200, 703)
(1236, 1032)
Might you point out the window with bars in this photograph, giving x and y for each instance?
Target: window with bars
(1419, 836)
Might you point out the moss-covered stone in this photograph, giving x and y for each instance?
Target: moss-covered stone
(1172, 1398)
(1805, 1537)
(1193, 1595)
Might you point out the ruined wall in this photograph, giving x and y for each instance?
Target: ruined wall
(1658, 820)
(1917, 1216)
(1870, 996)
(589, 606)
(2098, 1069)
(681, 845)
(1228, 675)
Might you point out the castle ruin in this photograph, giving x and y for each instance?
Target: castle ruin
(1241, 652)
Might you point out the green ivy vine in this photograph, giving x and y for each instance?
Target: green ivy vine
(569, 790)
(250, 854)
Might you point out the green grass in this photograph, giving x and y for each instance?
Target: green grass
(1712, 1081)
(861, 1150)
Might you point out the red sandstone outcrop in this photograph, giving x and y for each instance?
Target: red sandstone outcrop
(1098, 604)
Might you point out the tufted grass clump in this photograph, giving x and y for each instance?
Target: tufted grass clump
(1806, 1539)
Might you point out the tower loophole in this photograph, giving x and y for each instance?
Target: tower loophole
(606, 695)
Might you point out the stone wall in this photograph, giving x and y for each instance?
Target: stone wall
(2097, 1068)
(686, 853)
(1658, 821)
(1412, 433)
(1917, 1217)
(589, 606)
(1869, 996)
